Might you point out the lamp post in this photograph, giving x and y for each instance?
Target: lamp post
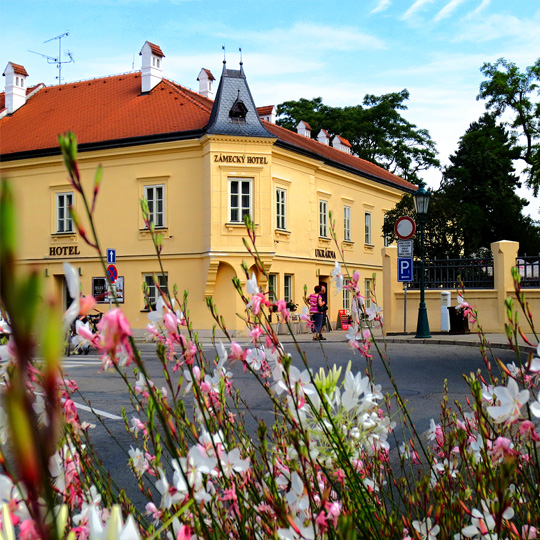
(421, 204)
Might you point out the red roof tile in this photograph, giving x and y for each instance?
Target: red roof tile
(29, 90)
(156, 49)
(209, 73)
(265, 111)
(305, 124)
(336, 156)
(101, 110)
(344, 141)
(18, 69)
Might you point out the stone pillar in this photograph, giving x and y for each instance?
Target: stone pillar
(504, 258)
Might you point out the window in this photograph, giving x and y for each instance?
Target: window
(281, 199)
(347, 223)
(272, 287)
(64, 223)
(155, 195)
(152, 293)
(240, 199)
(346, 295)
(368, 228)
(367, 292)
(323, 219)
(288, 288)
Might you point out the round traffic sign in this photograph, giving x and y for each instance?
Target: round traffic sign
(405, 227)
(112, 273)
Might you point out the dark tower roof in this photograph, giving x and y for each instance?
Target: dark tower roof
(234, 111)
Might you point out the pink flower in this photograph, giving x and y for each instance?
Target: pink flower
(184, 533)
(282, 308)
(114, 327)
(237, 353)
(502, 448)
(256, 333)
(170, 320)
(527, 431)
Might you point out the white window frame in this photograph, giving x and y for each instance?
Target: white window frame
(272, 287)
(346, 296)
(281, 209)
(163, 280)
(288, 287)
(157, 216)
(64, 223)
(368, 283)
(323, 218)
(367, 228)
(239, 207)
(347, 223)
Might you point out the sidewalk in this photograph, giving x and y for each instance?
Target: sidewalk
(497, 341)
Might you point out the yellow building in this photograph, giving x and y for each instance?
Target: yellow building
(202, 164)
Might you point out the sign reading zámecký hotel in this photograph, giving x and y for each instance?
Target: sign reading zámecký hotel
(241, 160)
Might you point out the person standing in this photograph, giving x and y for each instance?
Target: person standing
(316, 311)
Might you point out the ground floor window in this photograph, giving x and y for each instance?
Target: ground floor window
(368, 285)
(346, 296)
(150, 289)
(288, 288)
(272, 287)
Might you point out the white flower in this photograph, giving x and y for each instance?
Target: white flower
(510, 402)
(251, 286)
(232, 463)
(482, 522)
(338, 277)
(535, 363)
(138, 460)
(425, 529)
(115, 528)
(535, 407)
(156, 317)
(73, 285)
(254, 358)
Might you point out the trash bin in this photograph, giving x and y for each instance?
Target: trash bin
(459, 324)
(445, 304)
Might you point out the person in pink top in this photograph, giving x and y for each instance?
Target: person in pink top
(316, 303)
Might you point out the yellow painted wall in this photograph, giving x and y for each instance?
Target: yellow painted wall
(201, 250)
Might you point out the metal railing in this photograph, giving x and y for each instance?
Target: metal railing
(529, 270)
(450, 273)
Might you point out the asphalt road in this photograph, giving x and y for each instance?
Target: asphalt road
(419, 370)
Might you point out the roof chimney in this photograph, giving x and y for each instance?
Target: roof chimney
(304, 129)
(206, 80)
(323, 137)
(151, 73)
(341, 144)
(15, 86)
(268, 113)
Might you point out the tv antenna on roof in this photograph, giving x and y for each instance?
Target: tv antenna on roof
(58, 60)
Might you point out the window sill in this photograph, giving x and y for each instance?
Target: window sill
(237, 226)
(369, 247)
(324, 239)
(347, 244)
(145, 233)
(57, 237)
(282, 233)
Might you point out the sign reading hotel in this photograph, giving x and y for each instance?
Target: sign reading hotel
(240, 160)
(58, 251)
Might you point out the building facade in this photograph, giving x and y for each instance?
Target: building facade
(202, 164)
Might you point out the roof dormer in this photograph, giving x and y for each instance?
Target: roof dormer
(15, 75)
(151, 68)
(341, 144)
(268, 113)
(323, 137)
(206, 83)
(304, 129)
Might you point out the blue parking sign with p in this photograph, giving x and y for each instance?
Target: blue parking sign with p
(405, 269)
(111, 256)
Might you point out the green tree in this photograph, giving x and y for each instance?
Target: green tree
(376, 130)
(443, 233)
(480, 184)
(507, 88)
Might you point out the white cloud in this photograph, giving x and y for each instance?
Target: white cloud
(483, 5)
(417, 6)
(447, 10)
(382, 5)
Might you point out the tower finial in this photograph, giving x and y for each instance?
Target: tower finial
(240, 49)
(224, 60)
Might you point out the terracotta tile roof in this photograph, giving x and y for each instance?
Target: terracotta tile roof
(156, 50)
(265, 111)
(336, 157)
(344, 141)
(209, 73)
(101, 110)
(18, 69)
(29, 90)
(305, 124)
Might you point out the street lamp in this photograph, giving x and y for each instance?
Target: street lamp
(421, 204)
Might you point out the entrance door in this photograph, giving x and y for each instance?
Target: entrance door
(323, 280)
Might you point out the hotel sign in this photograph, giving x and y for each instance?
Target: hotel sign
(240, 160)
(59, 251)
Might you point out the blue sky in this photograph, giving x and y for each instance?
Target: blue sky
(339, 50)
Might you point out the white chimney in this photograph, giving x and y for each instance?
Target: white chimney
(206, 81)
(323, 137)
(304, 129)
(15, 86)
(341, 144)
(268, 113)
(151, 72)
